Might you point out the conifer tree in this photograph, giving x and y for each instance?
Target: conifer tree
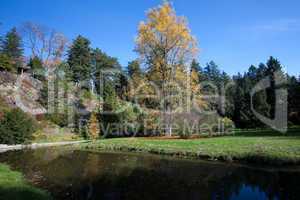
(79, 59)
(12, 47)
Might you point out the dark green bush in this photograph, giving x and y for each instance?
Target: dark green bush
(59, 119)
(16, 127)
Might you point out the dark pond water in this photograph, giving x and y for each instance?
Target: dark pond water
(71, 174)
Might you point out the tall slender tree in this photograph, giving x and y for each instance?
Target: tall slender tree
(164, 42)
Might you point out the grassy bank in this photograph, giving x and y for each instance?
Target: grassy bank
(14, 187)
(60, 137)
(255, 149)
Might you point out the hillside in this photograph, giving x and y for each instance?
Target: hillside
(21, 91)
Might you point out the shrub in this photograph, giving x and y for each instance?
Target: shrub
(16, 127)
(3, 107)
(228, 125)
(151, 121)
(59, 119)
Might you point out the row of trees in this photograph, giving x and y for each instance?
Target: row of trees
(235, 92)
(164, 81)
(165, 46)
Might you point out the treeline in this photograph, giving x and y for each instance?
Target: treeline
(165, 63)
(84, 64)
(237, 91)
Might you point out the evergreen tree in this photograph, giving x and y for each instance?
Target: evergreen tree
(79, 59)
(37, 69)
(134, 69)
(136, 77)
(273, 66)
(212, 72)
(109, 116)
(12, 47)
(6, 63)
(105, 68)
(102, 61)
(195, 65)
(216, 82)
(122, 87)
(109, 97)
(238, 101)
(16, 127)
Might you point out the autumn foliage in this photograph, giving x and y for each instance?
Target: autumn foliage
(94, 129)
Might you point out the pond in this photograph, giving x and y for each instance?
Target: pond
(70, 174)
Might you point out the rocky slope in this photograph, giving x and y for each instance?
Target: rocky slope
(21, 91)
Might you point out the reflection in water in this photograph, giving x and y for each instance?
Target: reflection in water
(71, 174)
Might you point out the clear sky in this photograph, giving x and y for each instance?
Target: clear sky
(233, 33)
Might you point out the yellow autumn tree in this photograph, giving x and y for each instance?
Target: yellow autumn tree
(164, 42)
(94, 128)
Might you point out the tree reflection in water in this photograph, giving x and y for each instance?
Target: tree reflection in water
(86, 175)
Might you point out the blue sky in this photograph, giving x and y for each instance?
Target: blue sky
(233, 33)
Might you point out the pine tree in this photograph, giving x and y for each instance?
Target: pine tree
(12, 47)
(122, 87)
(212, 73)
(195, 65)
(36, 66)
(104, 68)
(109, 97)
(6, 63)
(79, 59)
(134, 69)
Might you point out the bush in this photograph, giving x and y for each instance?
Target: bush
(228, 125)
(59, 119)
(3, 107)
(16, 127)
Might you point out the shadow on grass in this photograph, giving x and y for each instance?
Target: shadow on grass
(262, 133)
(23, 193)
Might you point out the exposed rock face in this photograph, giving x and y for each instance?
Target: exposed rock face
(21, 91)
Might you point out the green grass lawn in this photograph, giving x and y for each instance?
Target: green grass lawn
(14, 187)
(259, 149)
